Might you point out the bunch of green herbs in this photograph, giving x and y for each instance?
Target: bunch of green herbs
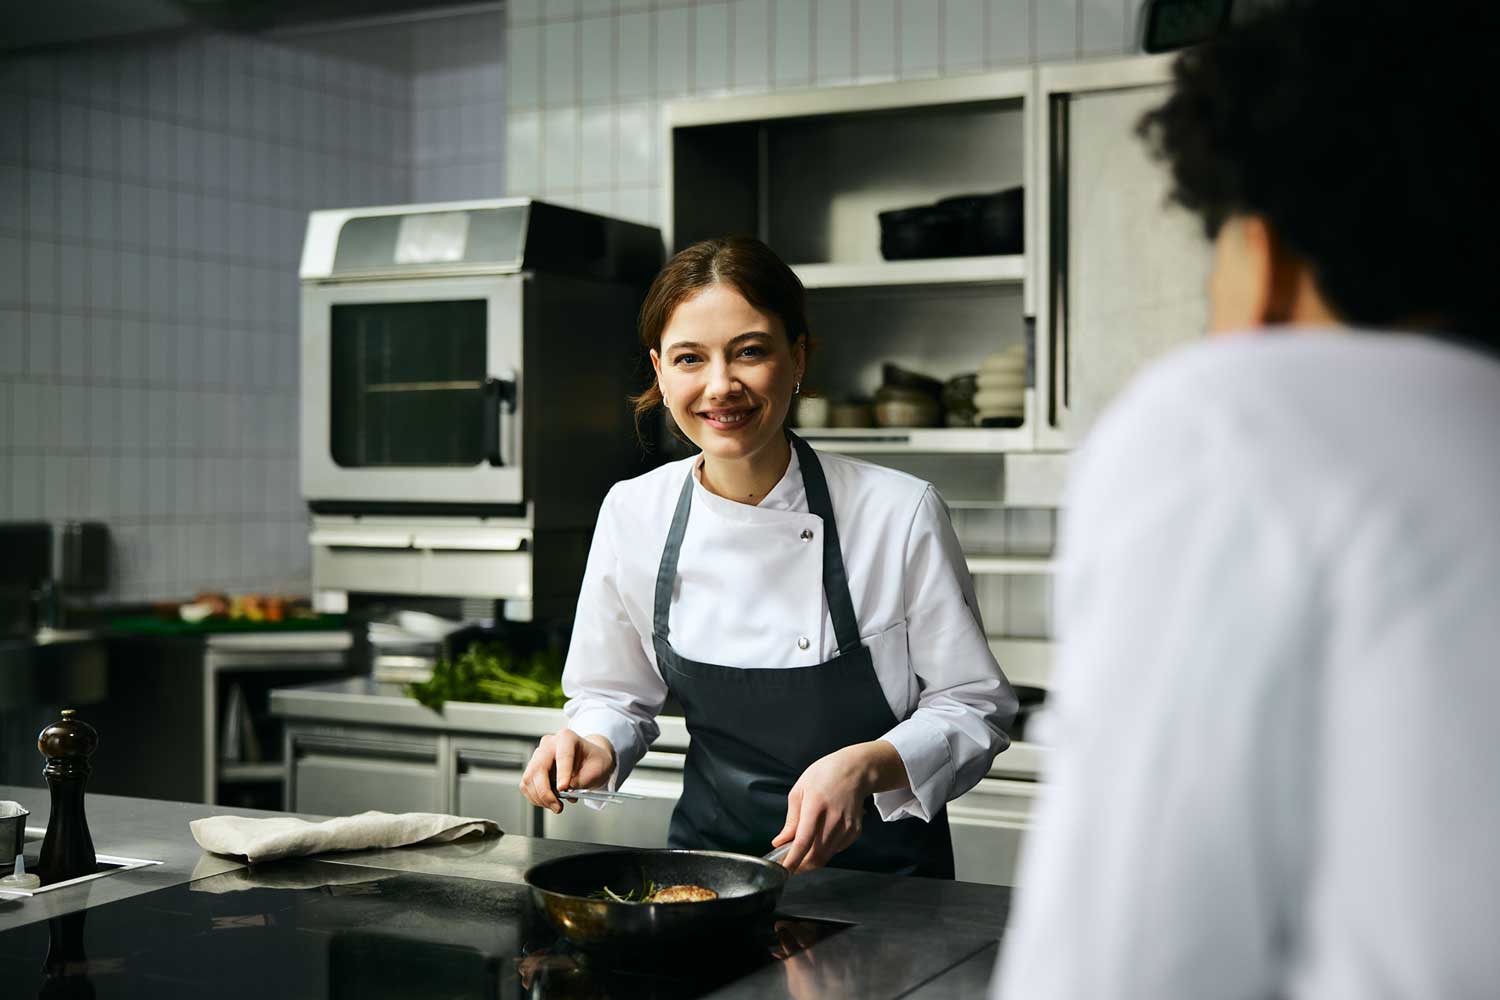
(641, 895)
(489, 672)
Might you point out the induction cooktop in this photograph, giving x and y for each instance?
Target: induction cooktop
(312, 929)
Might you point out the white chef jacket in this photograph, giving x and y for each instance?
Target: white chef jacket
(750, 594)
(1272, 764)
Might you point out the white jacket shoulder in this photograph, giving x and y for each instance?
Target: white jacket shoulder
(641, 498)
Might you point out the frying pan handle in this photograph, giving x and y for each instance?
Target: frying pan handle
(778, 855)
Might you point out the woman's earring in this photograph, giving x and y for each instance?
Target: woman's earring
(797, 389)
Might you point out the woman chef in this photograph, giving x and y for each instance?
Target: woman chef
(813, 615)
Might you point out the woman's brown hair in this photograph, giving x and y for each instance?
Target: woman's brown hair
(743, 262)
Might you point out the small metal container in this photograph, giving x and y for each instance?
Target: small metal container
(12, 838)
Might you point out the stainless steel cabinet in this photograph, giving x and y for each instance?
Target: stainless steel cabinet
(627, 824)
(340, 775)
(1125, 273)
(487, 781)
(341, 769)
(989, 824)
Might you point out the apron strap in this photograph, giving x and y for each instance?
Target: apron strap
(835, 579)
(666, 570)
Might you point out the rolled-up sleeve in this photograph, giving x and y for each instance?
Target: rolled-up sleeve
(965, 706)
(613, 688)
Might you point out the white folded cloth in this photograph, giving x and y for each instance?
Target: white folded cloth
(286, 836)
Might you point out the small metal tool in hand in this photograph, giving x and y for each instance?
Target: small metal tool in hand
(590, 794)
(595, 795)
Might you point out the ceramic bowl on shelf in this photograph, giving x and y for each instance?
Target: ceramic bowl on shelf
(812, 411)
(854, 413)
(897, 406)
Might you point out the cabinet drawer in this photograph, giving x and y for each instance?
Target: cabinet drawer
(989, 824)
(489, 787)
(641, 823)
(339, 780)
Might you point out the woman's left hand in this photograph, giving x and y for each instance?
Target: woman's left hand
(825, 808)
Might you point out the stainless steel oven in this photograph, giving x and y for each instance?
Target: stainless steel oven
(464, 374)
(412, 391)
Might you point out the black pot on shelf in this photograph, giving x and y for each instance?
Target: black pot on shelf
(914, 233)
(988, 223)
(962, 226)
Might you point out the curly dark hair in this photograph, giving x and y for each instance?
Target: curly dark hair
(1361, 130)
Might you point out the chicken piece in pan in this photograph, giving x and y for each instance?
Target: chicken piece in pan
(682, 894)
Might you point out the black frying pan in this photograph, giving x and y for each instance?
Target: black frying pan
(564, 892)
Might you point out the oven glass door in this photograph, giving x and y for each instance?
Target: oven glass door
(407, 384)
(411, 392)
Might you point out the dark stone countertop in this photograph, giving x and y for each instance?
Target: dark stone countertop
(908, 934)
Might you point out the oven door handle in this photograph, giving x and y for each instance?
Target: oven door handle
(499, 413)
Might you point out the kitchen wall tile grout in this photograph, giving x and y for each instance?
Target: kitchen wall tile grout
(73, 299)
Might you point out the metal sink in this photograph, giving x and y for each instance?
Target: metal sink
(52, 667)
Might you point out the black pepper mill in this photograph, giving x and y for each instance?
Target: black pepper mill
(66, 971)
(67, 850)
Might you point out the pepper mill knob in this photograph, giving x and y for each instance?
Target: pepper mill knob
(68, 849)
(69, 742)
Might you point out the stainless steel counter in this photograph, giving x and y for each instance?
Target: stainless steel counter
(132, 828)
(363, 701)
(909, 934)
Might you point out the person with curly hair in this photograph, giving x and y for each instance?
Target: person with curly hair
(1270, 740)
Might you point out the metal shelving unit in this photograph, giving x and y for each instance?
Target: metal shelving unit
(810, 171)
(1028, 662)
(918, 440)
(935, 271)
(1007, 565)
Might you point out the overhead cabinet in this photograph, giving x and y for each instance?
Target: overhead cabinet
(1125, 273)
(1111, 275)
(810, 172)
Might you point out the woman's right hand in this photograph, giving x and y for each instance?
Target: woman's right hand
(579, 762)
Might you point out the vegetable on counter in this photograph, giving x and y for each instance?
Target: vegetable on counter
(488, 672)
(208, 606)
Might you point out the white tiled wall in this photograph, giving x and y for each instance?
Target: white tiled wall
(152, 202)
(153, 198)
(458, 107)
(587, 78)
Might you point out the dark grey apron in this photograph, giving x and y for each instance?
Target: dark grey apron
(754, 731)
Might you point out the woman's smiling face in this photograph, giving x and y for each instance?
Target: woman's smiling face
(727, 372)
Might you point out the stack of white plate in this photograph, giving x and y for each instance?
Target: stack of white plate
(1002, 384)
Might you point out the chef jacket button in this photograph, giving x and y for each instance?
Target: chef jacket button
(807, 534)
(802, 642)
